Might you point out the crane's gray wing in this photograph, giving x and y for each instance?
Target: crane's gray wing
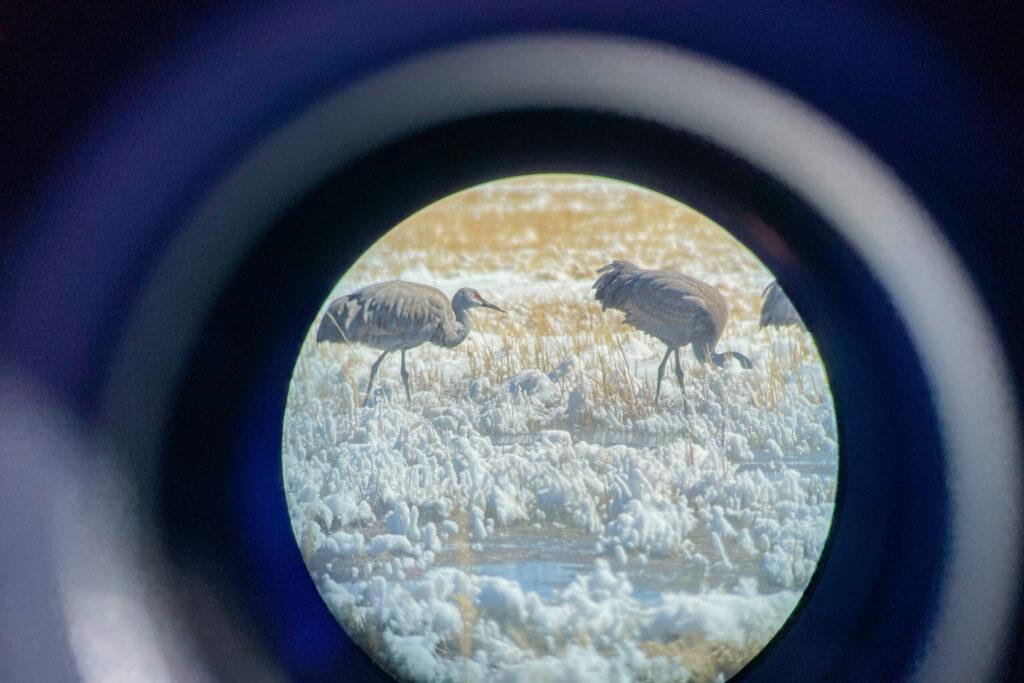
(673, 307)
(776, 308)
(385, 314)
(670, 306)
(612, 288)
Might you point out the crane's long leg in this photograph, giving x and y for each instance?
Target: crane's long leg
(405, 378)
(661, 371)
(373, 373)
(682, 384)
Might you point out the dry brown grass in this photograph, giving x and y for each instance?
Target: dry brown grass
(467, 607)
(505, 226)
(469, 613)
(555, 331)
(704, 659)
(786, 364)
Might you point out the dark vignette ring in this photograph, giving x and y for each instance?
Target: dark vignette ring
(870, 601)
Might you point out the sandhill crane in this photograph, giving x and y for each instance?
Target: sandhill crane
(776, 308)
(674, 308)
(399, 315)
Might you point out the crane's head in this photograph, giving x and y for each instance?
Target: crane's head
(720, 358)
(467, 297)
(705, 352)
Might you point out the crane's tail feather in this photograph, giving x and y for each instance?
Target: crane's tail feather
(776, 308)
(329, 330)
(614, 276)
(618, 265)
(334, 325)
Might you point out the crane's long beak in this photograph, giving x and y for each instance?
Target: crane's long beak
(488, 304)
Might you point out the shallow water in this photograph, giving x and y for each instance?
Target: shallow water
(823, 464)
(598, 437)
(821, 467)
(547, 565)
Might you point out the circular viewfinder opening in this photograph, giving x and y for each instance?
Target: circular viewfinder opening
(560, 425)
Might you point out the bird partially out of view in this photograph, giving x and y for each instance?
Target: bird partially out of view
(398, 316)
(776, 308)
(676, 309)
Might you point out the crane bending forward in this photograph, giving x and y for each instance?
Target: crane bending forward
(398, 316)
(676, 309)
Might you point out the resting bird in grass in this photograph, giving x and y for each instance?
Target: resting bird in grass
(398, 316)
(675, 308)
(776, 308)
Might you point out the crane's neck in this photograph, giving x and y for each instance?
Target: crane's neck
(705, 352)
(454, 332)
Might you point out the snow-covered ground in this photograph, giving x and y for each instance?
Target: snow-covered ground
(530, 514)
